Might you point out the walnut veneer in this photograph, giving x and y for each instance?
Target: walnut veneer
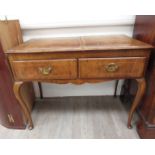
(78, 60)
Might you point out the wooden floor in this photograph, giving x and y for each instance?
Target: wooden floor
(77, 117)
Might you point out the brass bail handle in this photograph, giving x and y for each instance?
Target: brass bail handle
(112, 67)
(45, 70)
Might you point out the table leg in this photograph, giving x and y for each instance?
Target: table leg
(138, 97)
(18, 94)
(40, 90)
(116, 86)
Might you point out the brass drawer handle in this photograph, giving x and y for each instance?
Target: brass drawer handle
(45, 70)
(112, 67)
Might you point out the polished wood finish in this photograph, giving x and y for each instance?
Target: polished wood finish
(144, 30)
(116, 42)
(36, 69)
(79, 60)
(80, 54)
(10, 112)
(112, 67)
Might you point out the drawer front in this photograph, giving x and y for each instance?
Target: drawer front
(45, 69)
(112, 67)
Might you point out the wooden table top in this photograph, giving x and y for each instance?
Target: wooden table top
(83, 43)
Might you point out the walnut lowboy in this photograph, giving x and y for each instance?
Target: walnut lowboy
(79, 60)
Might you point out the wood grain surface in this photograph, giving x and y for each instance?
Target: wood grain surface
(117, 42)
(59, 69)
(10, 34)
(130, 67)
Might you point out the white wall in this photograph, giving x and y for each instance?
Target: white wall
(57, 18)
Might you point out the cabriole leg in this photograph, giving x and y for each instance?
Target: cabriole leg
(138, 97)
(17, 91)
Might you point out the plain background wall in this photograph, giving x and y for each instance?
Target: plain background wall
(69, 20)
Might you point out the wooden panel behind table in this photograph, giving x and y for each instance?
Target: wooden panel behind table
(144, 30)
(10, 111)
(9, 106)
(10, 34)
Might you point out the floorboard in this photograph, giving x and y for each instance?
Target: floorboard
(77, 118)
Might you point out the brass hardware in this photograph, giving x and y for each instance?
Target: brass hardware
(10, 117)
(45, 70)
(112, 67)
